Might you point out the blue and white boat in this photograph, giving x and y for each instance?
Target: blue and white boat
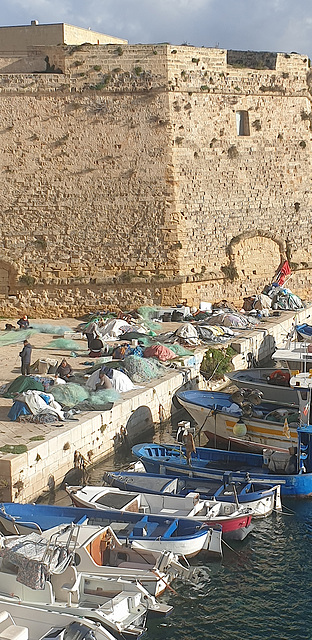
(261, 498)
(291, 470)
(182, 536)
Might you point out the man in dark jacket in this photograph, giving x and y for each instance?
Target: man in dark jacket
(64, 370)
(25, 356)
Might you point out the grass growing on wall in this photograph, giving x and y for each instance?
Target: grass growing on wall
(217, 362)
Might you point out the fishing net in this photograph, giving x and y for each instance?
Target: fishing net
(143, 369)
(65, 345)
(13, 337)
(99, 398)
(74, 395)
(179, 350)
(147, 313)
(69, 394)
(56, 330)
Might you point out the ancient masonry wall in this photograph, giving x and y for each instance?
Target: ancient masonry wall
(125, 181)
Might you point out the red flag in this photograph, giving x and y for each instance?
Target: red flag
(282, 273)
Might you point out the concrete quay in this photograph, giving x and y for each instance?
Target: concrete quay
(50, 449)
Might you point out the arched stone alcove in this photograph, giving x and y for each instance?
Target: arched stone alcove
(8, 275)
(256, 254)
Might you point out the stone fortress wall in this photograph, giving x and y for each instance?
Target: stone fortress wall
(151, 174)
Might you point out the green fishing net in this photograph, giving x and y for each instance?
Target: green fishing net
(100, 398)
(13, 337)
(55, 330)
(147, 313)
(65, 345)
(69, 394)
(142, 369)
(74, 395)
(179, 350)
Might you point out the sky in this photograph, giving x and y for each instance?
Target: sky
(260, 25)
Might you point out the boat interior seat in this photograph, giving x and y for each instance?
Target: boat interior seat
(65, 583)
(11, 631)
(14, 632)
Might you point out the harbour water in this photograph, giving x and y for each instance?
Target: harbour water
(261, 590)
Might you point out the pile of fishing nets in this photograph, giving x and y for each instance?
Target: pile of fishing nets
(74, 395)
(147, 313)
(55, 330)
(13, 337)
(65, 345)
(142, 369)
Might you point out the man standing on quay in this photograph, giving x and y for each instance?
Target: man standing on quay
(25, 356)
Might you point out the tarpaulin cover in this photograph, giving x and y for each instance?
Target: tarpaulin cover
(18, 409)
(22, 383)
(159, 351)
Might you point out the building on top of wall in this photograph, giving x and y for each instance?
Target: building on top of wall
(16, 40)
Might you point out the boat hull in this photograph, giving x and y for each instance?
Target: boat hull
(221, 424)
(181, 536)
(255, 379)
(216, 464)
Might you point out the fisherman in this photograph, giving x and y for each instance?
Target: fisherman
(64, 370)
(23, 323)
(92, 331)
(25, 356)
(99, 380)
(189, 446)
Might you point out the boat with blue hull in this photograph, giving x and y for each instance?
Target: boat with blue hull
(249, 494)
(182, 536)
(291, 470)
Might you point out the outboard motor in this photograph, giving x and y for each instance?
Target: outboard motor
(238, 396)
(255, 397)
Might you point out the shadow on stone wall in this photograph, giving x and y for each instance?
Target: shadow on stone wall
(266, 348)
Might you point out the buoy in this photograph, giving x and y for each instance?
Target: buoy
(239, 429)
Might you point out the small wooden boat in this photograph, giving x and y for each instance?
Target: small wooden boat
(39, 573)
(235, 520)
(182, 536)
(259, 497)
(20, 622)
(273, 384)
(220, 418)
(292, 471)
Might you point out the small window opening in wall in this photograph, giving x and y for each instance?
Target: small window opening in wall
(242, 123)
